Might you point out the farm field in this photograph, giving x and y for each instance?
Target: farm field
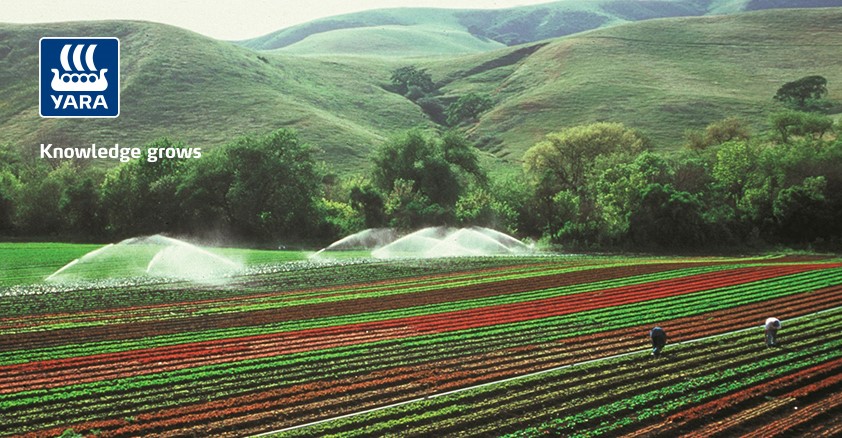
(517, 346)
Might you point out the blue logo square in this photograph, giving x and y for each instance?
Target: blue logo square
(79, 77)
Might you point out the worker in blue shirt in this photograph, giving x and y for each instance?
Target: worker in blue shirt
(659, 340)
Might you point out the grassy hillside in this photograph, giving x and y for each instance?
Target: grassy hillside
(405, 32)
(662, 76)
(465, 30)
(393, 41)
(205, 92)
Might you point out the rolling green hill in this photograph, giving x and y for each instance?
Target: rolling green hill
(390, 32)
(393, 41)
(449, 31)
(662, 76)
(206, 92)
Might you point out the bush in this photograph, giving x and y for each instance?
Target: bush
(798, 123)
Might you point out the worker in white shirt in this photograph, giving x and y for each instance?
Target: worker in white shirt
(772, 326)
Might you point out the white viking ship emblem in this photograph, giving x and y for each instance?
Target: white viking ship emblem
(81, 79)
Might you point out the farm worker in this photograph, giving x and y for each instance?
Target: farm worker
(772, 326)
(659, 340)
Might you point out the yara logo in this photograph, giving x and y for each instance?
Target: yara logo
(79, 77)
(79, 81)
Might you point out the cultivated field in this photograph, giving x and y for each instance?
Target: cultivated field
(474, 346)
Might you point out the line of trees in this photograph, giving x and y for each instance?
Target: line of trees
(586, 187)
(256, 188)
(601, 185)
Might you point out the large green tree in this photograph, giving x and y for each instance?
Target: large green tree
(563, 161)
(437, 169)
(798, 92)
(410, 76)
(800, 124)
(139, 197)
(263, 187)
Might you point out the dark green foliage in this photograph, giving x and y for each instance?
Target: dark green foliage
(261, 187)
(742, 191)
(405, 78)
(203, 193)
(458, 151)
(367, 200)
(667, 218)
(256, 187)
(595, 186)
(432, 108)
(36, 212)
(515, 197)
(424, 175)
(797, 93)
(78, 204)
(417, 85)
(467, 109)
(139, 197)
(801, 211)
(10, 185)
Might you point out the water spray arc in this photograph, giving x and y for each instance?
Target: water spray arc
(148, 256)
(431, 242)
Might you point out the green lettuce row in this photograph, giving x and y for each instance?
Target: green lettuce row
(215, 371)
(279, 302)
(675, 307)
(86, 349)
(524, 395)
(525, 271)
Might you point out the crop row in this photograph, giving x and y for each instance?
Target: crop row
(754, 404)
(606, 396)
(398, 328)
(260, 406)
(271, 374)
(137, 313)
(40, 365)
(255, 302)
(166, 360)
(273, 303)
(368, 311)
(88, 297)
